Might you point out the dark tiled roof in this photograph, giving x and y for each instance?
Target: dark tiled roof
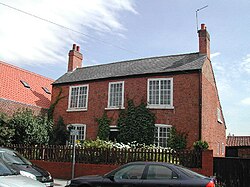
(238, 141)
(163, 64)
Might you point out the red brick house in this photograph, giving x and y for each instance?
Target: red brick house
(180, 90)
(238, 146)
(23, 89)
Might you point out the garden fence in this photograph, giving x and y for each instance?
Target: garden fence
(61, 153)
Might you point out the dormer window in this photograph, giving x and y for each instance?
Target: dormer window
(25, 84)
(46, 90)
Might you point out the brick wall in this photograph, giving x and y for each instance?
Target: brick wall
(62, 170)
(213, 131)
(9, 107)
(244, 152)
(186, 100)
(207, 164)
(184, 116)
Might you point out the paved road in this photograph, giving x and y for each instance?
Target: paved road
(60, 182)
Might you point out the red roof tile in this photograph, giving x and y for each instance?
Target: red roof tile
(12, 89)
(238, 141)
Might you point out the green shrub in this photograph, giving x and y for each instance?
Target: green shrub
(6, 131)
(103, 127)
(98, 143)
(30, 129)
(200, 145)
(60, 135)
(136, 123)
(177, 140)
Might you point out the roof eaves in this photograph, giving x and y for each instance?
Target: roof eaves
(131, 75)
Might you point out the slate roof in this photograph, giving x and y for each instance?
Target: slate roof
(163, 64)
(238, 141)
(12, 89)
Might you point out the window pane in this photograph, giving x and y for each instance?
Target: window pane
(159, 92)
(78, 97)
(130, 172)
(161, 135)
(115, 95)
(82, 97)
(81, 129)
(74, 97)
(157, 172)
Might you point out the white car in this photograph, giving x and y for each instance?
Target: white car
(9, 178)
(18, 163)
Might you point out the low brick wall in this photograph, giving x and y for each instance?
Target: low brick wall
(207, 164)
(62, 170)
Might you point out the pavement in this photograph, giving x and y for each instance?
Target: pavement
(60, 182)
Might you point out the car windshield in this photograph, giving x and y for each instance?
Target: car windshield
(190, 173)
(12, 157)
(4, 170)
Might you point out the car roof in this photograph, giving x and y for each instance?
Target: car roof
(151, 162)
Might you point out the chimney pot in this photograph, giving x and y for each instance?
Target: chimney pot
(78, 48)
(74, 47)
(203, 26)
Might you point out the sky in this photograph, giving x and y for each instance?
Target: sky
(37, 36)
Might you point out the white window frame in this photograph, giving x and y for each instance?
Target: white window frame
(113, 128)
(222, 148)
(77, 137)
(160, 126)
(219, 115)
(109, 97)
(161, 106)
(69, 99)
(218, 148)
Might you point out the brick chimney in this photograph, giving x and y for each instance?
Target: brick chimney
(204, 41)
(75, 58)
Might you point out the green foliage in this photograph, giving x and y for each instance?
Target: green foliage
(30, 129)
(53, 105)
(200, 145)
(60, 135)
(6, 131)
(103, 127)
(177, 140)
(136, 124)
(98, 143)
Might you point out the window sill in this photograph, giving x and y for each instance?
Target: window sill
(117, 108)
(76, 110)
(160, 107)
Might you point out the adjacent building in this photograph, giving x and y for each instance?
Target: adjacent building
(238, 146)
(20, 88)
